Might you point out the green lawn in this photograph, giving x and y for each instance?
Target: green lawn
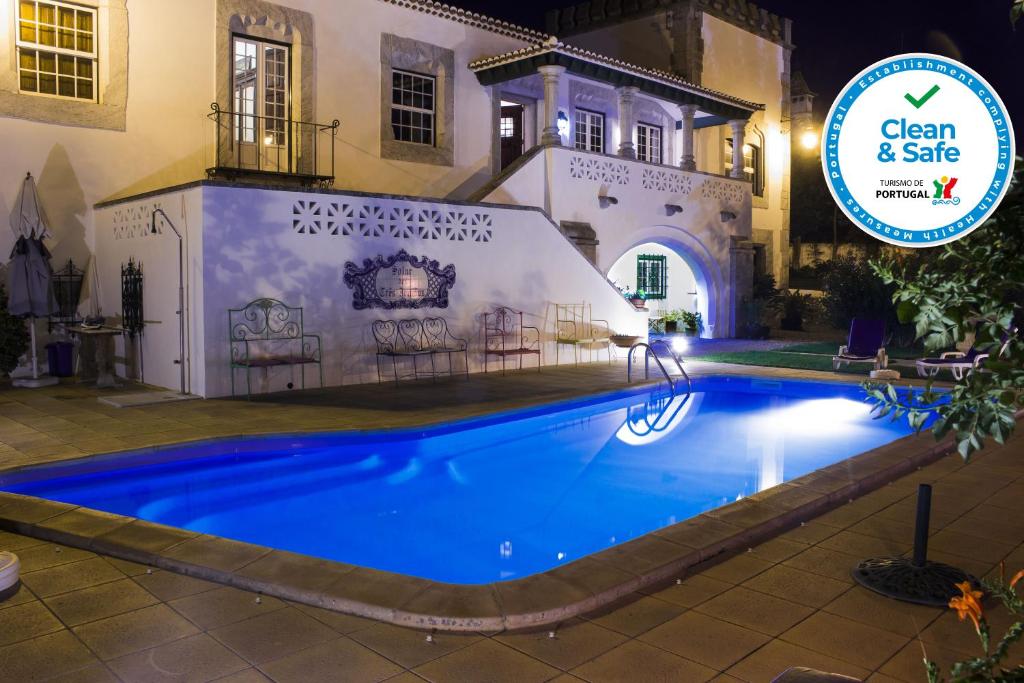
(781, 359)
(830, 348)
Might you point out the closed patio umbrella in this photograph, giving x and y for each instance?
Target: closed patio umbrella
(30, 285)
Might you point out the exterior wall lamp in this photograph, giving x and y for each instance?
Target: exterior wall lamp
(563, 125)
(727, 216)
(604, 201)
(673, 209)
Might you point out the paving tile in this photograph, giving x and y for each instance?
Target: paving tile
(908, 665)
(755, 610)
(49, 555)
(127, 567)
(867, 607)
(636, 661)
(410, 647)
(486, 661)
(635, 616)
(171, 585)
(849, 641)
(245, 676)
(44, 658)
(692, 590)
(27, 620)
(809, 532)
(831, 563)
(126, 633)
(92, 673)
(326, 661)
(98, 602)
(737, 569)
(705, 639)
(16, 542)
(71, 576)
(274, 635)
(970, 545)
(340, 622)
(574, 642)
(778, 549)
(217, 553)
(222, 606)
(771, 660)
(852, 543)
(195, 659)
(22, 595)
(797, 585)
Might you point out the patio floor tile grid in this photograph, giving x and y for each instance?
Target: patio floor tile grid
(790, 601)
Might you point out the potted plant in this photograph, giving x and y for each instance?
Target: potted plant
(671, 320)
(693, 324)
(637, 298)
(794, 308)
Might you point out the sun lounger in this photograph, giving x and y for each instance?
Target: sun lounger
(866, 344)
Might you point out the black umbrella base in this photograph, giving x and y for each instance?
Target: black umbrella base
(931, 584)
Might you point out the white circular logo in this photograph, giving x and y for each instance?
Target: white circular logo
(917, 150)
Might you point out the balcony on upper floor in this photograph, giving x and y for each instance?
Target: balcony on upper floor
(271, 150)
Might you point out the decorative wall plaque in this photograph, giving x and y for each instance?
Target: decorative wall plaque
(399, 281)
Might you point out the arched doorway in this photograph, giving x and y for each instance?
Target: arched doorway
(692, 278)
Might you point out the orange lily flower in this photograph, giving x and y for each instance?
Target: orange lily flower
(968, 604)
(1016, 577)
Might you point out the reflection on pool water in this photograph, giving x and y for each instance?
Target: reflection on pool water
(491, 499)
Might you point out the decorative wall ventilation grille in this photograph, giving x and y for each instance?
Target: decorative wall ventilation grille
(598, 168)
(665, 180)
(133, 220)
(345, 219)
(722, 190)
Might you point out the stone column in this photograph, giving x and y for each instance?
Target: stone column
(688, 163)
(738, 128)
(552, 75)
(627, 96)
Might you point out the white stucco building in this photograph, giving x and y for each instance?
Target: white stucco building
(284, 140)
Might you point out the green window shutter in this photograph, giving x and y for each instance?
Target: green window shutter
(652, 275)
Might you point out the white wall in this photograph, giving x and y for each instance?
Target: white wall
(510, 256)
(748, 66)
(577, 180)
(122, 234)
(681, 284)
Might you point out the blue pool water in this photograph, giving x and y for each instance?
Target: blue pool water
(488, 499)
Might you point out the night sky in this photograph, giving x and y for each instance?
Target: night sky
(835, 40)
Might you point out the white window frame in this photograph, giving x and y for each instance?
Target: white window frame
(56, 51)
(586, 123)
(649, 142)
(431, 112)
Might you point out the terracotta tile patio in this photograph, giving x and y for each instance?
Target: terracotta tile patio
(790, 601)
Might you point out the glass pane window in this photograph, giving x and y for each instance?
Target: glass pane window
(259, 92)
(648, 143)
(651, 275)
(589, 131)
(753, 165)
(508, 127)
(56, 49)
(412, 107)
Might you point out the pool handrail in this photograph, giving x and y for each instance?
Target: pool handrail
(649, 351)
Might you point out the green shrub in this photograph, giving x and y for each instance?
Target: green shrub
(13, 336)
(853, 290)
(794, 308)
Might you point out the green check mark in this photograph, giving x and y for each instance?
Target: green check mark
(918, 102)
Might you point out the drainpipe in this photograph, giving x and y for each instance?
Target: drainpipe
(181, 289)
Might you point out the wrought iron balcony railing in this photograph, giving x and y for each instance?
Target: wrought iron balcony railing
(251, 146)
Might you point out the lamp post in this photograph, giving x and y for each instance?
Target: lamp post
(181, 289)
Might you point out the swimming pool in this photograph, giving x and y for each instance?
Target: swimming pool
(488, 499)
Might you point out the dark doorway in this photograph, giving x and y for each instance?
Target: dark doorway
(510, 128)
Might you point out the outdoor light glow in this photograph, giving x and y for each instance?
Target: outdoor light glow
(563, 124)
(809, 139)
(268, 140)
(680, 344)
(816, 417)
(747, 149)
